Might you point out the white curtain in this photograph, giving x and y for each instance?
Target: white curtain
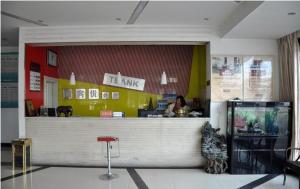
(289, 66)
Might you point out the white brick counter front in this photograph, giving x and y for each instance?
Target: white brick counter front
(144, 142)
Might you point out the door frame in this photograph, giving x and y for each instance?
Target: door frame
(55, 90)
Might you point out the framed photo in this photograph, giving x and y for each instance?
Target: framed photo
(105, 95)
(29, 108)
(115, 95)
(51, 58)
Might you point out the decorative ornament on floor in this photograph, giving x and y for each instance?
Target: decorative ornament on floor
(214, 149)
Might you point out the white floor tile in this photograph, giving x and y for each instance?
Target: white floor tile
(292, 182)
(78, 178)
(157, 178)
(6, 170)
(74, 178)
(194, 179)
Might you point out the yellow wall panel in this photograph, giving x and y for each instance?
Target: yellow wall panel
(129, 102)
(197, 85)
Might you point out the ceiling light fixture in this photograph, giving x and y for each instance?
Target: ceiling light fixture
(23, 19)
(291, 13)
(119, 78)
(163, 80)
(72, 79)
(137, 11)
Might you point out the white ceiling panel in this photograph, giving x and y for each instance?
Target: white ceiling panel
(57, 13)
(187, 13)
(61, 14)
(270, 20)
(266, 20)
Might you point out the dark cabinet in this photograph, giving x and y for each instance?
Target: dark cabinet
(257, 136)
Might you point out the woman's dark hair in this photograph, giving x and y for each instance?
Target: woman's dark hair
(183, 103)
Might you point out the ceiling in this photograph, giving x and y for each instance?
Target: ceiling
(231, 19)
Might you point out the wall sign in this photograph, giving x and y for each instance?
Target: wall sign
(105, 95)
(247, 78)
(35, 77)
(127, 82)
(93, 93)
(80, 93)
(9, 80)
(257, 78)
(67, 94)
(226, 82)
(115, 95)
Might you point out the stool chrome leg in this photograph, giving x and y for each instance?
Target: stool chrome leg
(109, 174)
(108, 158)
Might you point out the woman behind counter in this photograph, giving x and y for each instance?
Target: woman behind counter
(173, 109)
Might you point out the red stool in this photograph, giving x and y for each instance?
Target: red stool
(108, 140)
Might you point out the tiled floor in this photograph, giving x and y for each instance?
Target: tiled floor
(6, 170)
(80, 177)
(276, 183)
(192, 178)
(74, 178)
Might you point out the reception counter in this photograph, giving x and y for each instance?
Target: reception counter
(144, 142)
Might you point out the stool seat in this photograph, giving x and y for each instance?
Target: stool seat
(107, 139)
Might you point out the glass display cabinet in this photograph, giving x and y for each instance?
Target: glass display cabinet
(257, 135)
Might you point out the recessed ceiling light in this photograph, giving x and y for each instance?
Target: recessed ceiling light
(206, 19)
(291, 13)
(119, 19)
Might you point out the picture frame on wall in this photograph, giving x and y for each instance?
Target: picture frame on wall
(51, 58)
(29, 108)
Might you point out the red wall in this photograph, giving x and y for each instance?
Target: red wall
(37, 55)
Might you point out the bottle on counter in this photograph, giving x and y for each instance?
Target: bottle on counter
(150, 106)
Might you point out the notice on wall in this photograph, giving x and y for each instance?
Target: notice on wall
(226, 80)
(257, 78)
(80, 93)
(9, 80)
(35, 77)
(93, 93)
(126, 82)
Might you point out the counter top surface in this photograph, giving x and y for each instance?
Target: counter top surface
(117, 118)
